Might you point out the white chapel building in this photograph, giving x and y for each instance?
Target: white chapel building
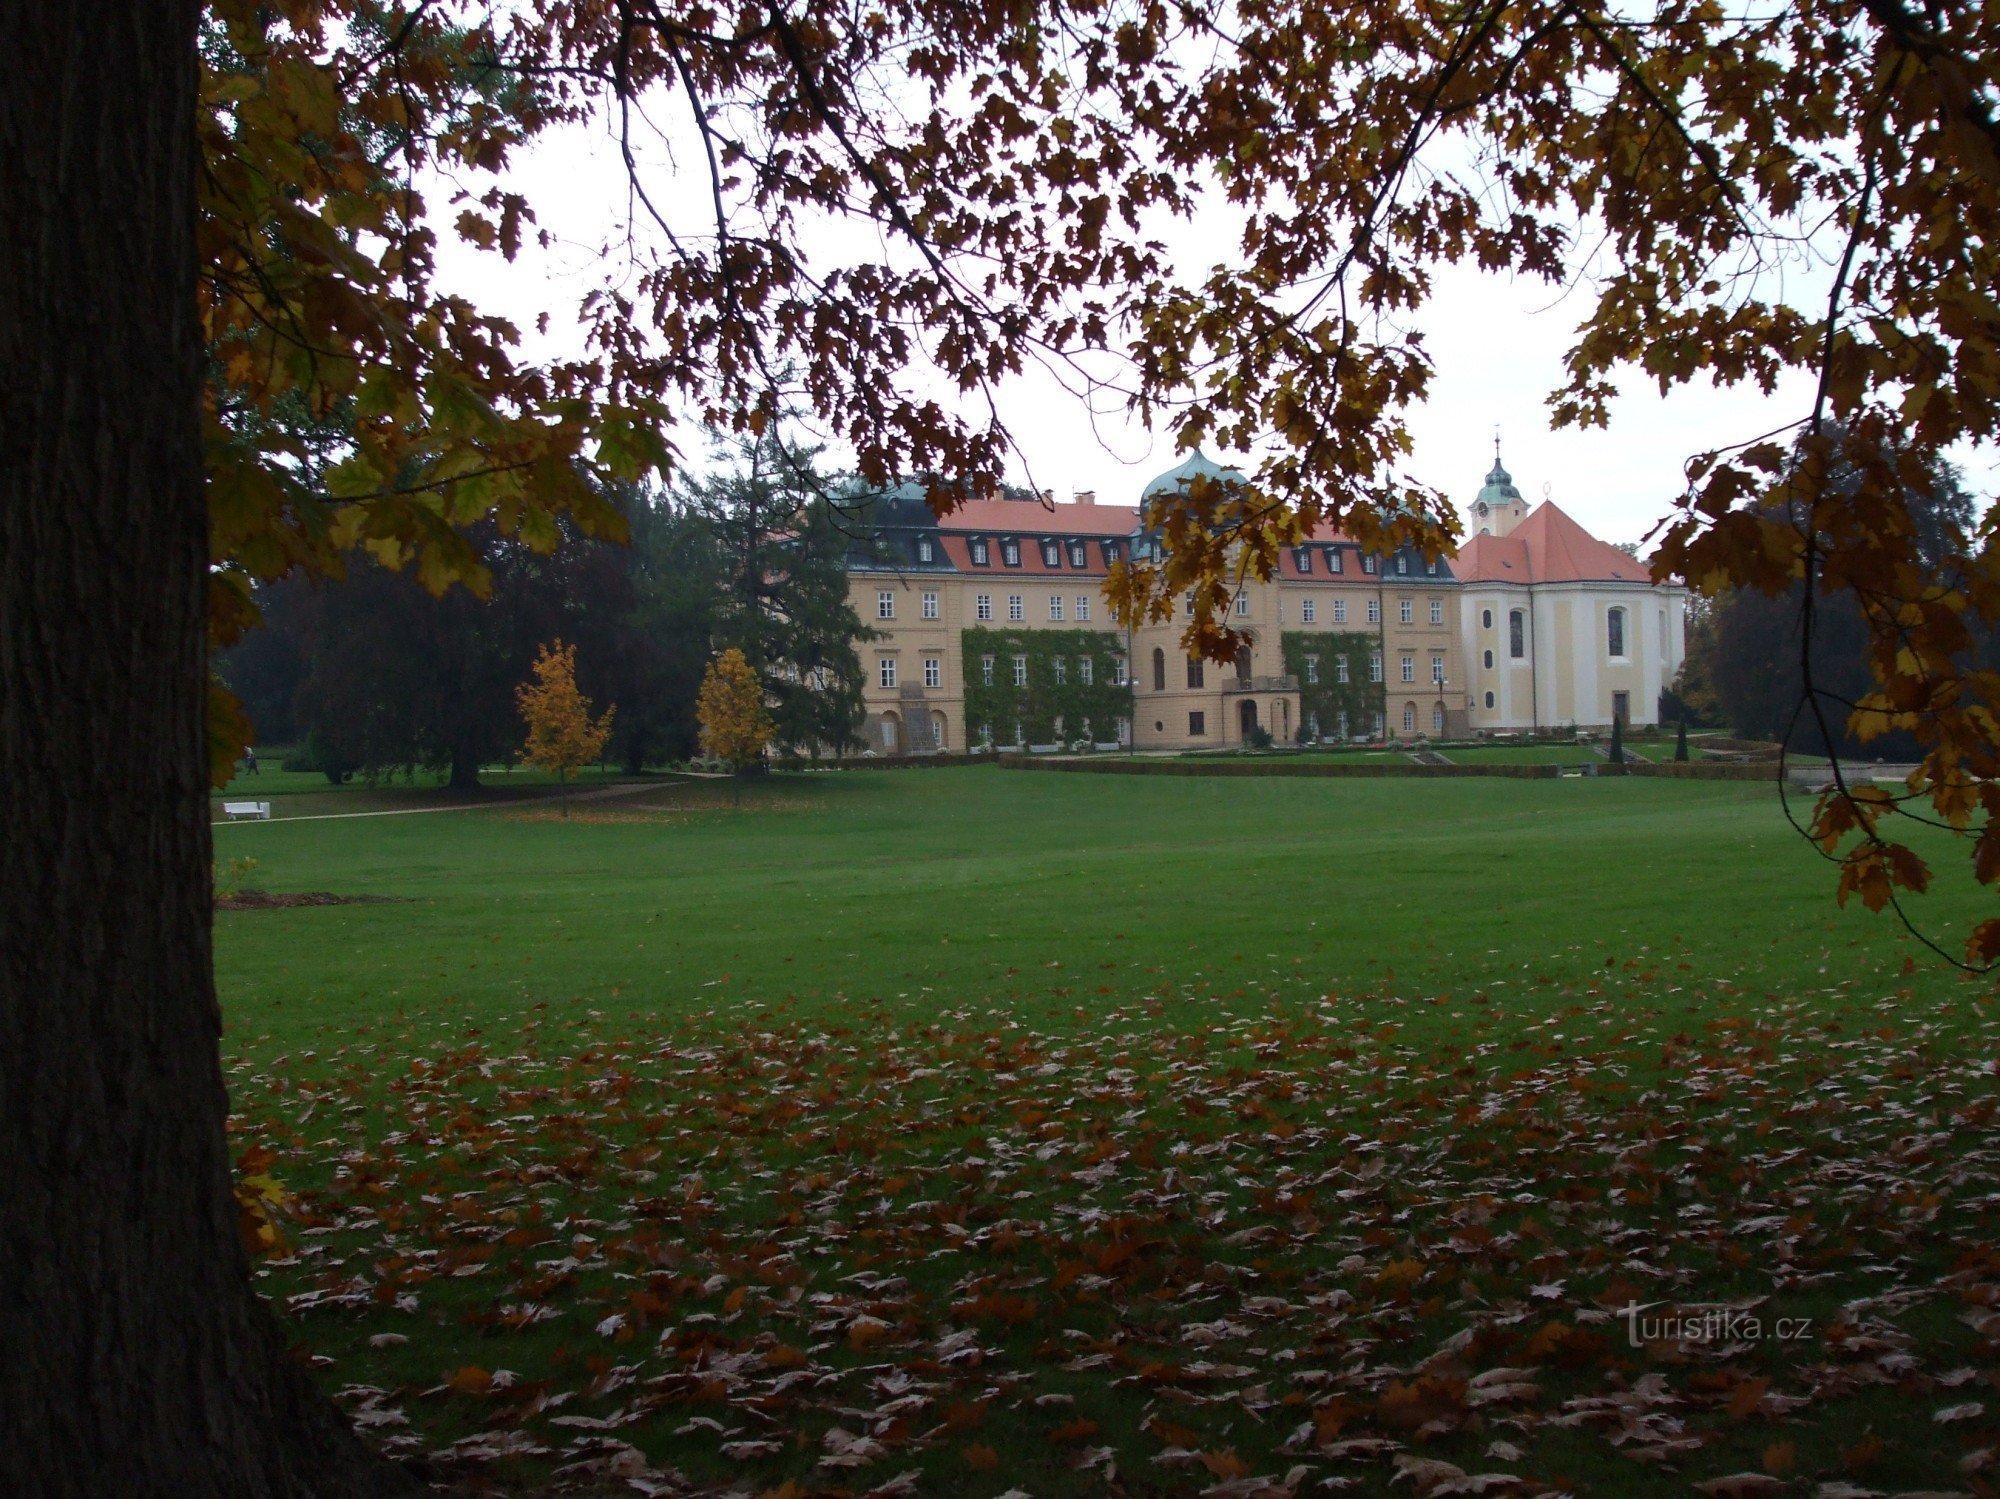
(1559, 628)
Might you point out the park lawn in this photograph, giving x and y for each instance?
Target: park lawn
(1014, 1130)
(1543, 754)
(308, 793)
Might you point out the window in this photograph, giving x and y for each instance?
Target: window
(1015, 609)
(1378, 723)
(980, 556)
(1485, 619)
(1437, 718)
(1374, 611)
(983, 606)
(1055, 606)
(1333, 563)
(1118, 671)
(1487, 660)
(986, 670)
(1242, 603)
(933, 671)
(1159, 670)
(1051, 554)
(1020, 675)
(1517, 634)
(885, 605)
(1194, 671)
(1188, 604)
(1197, 725)
(1062, 669)
(1409, 718)
(1375, 669)
(1615, 632)
(888, 670)
(1340, 669)
(1409, 665)
(1083, 606)
(1086, 669)
(1308, 610)
(1340, 724)
(1404, 611)
(1437, 671)
(1304, 559)
(1312, 671)
(1402, 566)
(1076, 554)
(1312, 726)
(1489, 699)
(930, 606)
(1010, 552)
(924, 552)
(1110, 551)
(1437, 611)
(1370, 565)
(1340, 611)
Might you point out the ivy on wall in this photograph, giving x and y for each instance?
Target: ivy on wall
(1045, 702)
(1325, 700)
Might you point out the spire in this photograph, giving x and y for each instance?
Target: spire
(1499, 476)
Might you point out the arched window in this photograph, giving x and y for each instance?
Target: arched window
(1517, 634)
(1159, 670)
(1489, 699)
(1409, 718)
(1615, 631)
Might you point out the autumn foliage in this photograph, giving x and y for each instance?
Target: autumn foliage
(562, 736)
(735, 725)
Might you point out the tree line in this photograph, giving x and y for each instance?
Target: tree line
(370, 673)
(1749, 667)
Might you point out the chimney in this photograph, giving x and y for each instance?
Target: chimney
(1086, 497)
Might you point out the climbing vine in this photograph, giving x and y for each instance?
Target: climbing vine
(1048, 707)
(1323, 702)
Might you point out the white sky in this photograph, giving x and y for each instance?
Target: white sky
(1497, 346)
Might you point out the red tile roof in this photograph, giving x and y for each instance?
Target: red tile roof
(1547, 547)
(1032, 518)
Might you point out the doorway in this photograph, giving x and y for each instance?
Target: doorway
(1246, 712)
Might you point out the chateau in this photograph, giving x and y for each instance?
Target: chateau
(993, 630)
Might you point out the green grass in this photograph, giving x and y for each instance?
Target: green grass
(1524, 754)
(308, 793)
(725, 1126)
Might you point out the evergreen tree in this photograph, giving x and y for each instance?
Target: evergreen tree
(784, 603)
(1681, 742)
(1617, 741)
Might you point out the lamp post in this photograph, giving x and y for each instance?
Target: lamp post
(1443, 722)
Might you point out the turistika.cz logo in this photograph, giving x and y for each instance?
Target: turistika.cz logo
(1708, 1322)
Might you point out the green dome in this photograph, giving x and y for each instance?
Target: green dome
(1500, 488)
(1198, 465)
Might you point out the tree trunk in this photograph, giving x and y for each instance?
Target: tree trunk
(464, 768)
(135, 1356)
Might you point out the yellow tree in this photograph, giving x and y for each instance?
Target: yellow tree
(561, 733)
(734, 723)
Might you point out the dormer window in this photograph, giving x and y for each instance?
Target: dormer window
(1371, 565)
(1010, 552)
(1402, 565)
(1076, 554)
(1110, 551)
(1303, 557)
(1333, 563)
(980, 557)
(924, 549)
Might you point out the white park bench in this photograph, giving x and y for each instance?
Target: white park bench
(234, 810)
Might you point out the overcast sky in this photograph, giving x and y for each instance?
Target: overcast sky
(1497, 345)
